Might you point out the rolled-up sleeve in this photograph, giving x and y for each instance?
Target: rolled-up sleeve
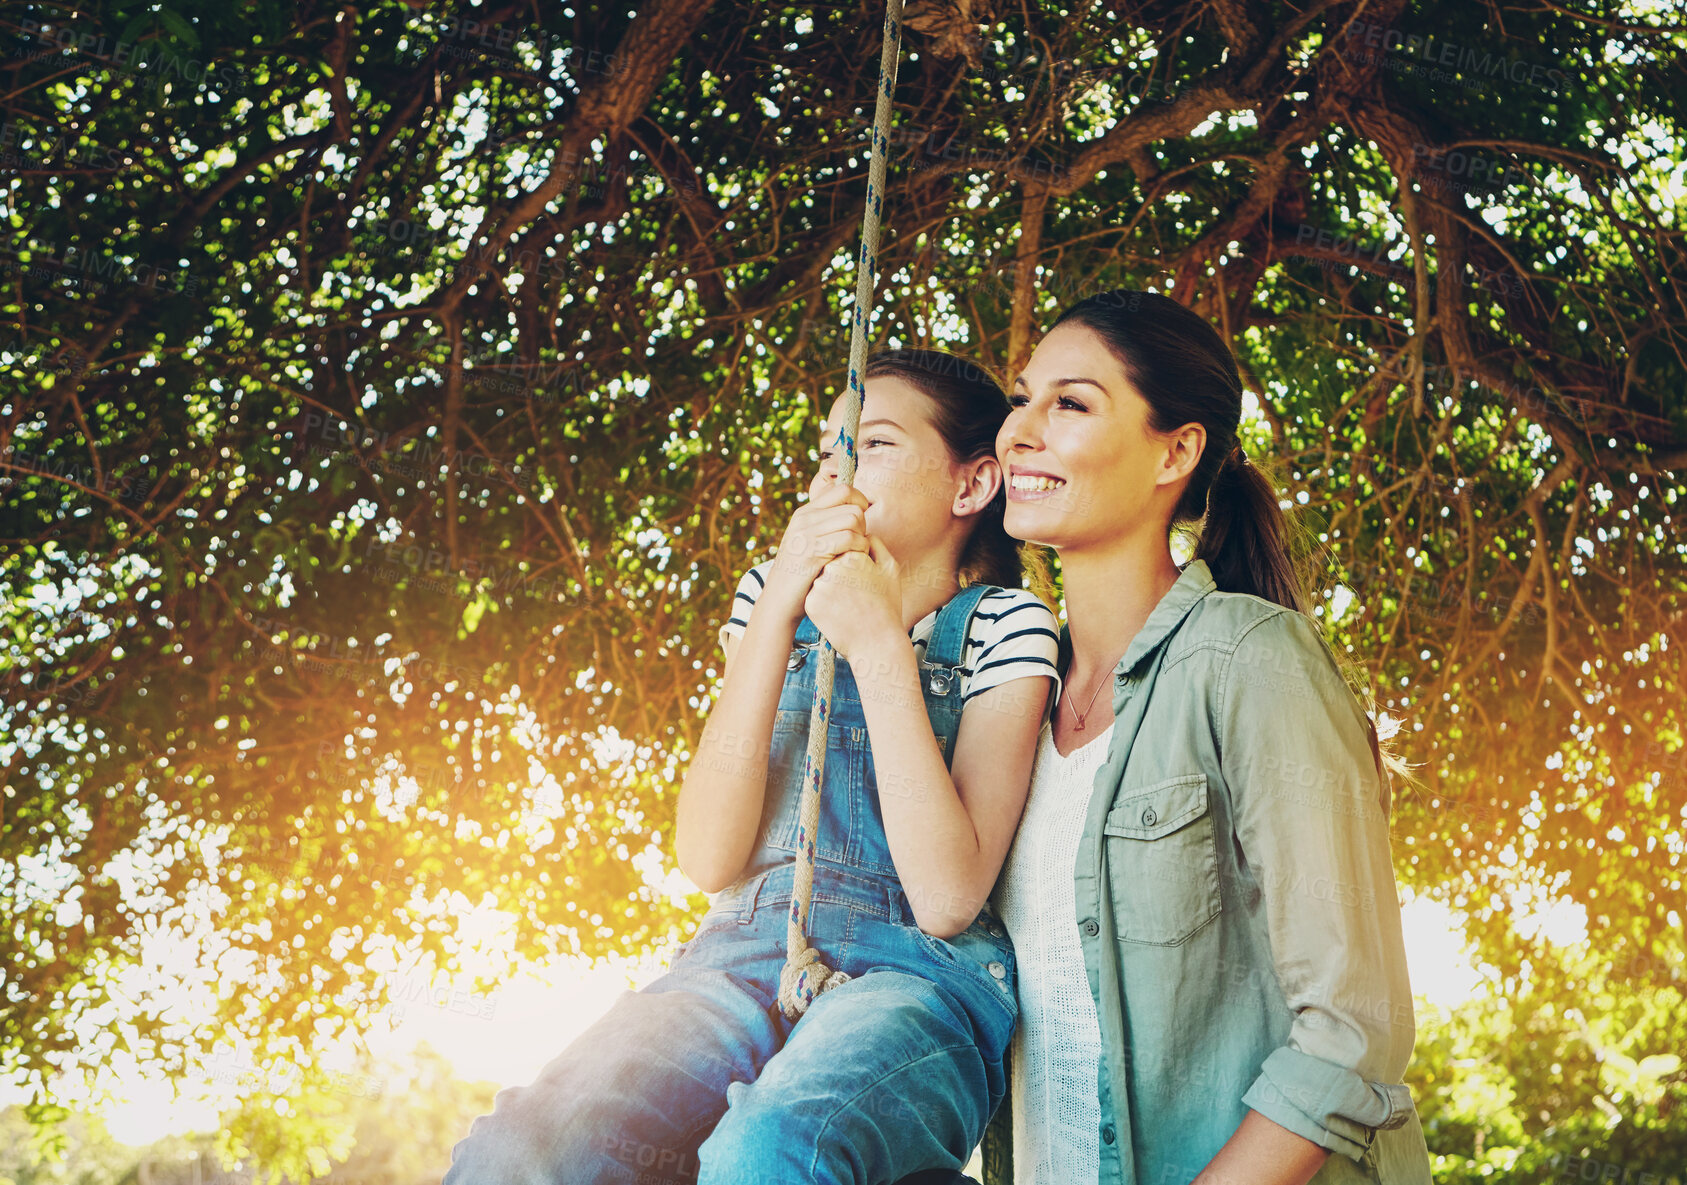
(1310, 813)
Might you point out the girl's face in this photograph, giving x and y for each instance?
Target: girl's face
(1080, 461)
(914, 488)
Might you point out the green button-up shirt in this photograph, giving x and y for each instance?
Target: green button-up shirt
(1237, 904)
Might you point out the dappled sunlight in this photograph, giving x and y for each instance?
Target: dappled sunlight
(395, 393)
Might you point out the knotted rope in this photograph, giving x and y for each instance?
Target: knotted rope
(805, 974)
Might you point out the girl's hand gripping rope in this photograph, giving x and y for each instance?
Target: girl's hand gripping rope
(857, 601)
(831, 523)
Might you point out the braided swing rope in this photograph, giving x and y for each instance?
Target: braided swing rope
(805, 974)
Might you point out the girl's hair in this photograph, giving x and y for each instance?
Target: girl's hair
(968, 410)
(1186, 372)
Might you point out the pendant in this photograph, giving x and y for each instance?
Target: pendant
(1079, 727)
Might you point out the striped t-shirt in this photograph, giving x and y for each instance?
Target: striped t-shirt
(1012, 634)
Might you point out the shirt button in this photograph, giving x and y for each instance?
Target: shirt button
(1148, 816)
(1091, 927)
(1107, 1134)
(999, 971)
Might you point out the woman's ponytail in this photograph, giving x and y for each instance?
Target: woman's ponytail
(1245, 537)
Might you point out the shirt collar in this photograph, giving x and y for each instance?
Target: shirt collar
(1194, 581)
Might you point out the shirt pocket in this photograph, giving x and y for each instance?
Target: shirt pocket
(1162, 861)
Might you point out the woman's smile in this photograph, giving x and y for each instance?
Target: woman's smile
(1028, 485)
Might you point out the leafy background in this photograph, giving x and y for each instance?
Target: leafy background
(394, 392)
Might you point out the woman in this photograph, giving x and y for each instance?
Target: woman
(1212, 979)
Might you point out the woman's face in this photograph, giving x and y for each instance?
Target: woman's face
(1080, 460)
(902, 465)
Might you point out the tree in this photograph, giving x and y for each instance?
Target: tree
(1519, 1084)
(400, 1135)
(76, 1150)
(395, 393)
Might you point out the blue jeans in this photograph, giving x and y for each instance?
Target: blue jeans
(699, 1079)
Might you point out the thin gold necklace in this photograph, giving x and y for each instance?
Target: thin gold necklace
(1079, 716)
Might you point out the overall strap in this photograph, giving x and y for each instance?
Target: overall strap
(947, 645)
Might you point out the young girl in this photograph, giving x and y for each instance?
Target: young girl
(943, 671)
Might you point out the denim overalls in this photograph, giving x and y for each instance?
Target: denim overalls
(699, 1077)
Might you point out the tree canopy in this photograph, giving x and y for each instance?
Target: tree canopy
(393, 394)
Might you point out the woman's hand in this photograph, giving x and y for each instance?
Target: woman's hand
(857, 601)
(831, 524)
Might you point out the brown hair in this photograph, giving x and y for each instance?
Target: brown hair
(968, 410)
(1187, 374)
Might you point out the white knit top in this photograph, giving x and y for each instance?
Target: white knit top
(1057, 1046)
